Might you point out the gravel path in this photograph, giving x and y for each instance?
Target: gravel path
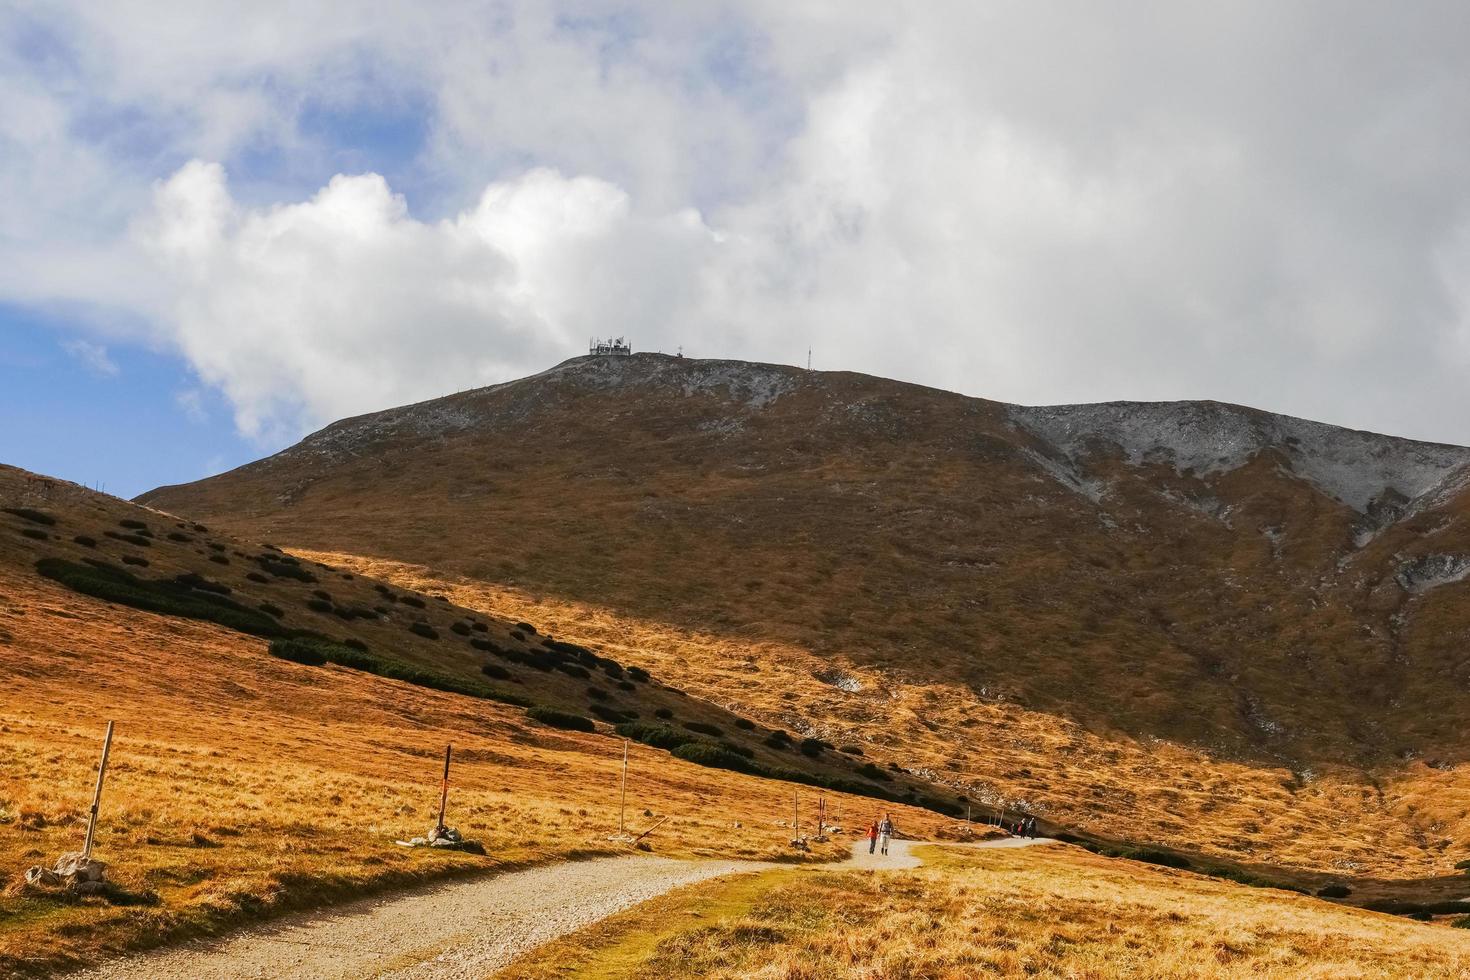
(463, 929)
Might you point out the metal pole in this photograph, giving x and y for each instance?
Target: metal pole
(97, 794)
(623, 797)
(444, 787)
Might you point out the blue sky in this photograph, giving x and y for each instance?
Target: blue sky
(228, 225)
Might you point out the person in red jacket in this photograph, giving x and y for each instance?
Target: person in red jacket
(872, 837)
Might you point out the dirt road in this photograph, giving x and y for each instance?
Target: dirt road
(462, 929)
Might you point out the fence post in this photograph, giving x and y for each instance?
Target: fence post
(623, 796)
(97, 794)
(444, 787)
(796, 813)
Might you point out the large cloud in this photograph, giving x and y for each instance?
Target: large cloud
(1041, 202)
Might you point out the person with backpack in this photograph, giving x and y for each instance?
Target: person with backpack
(885, 831)
(872, 837)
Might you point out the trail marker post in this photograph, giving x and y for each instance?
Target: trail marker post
(796, 813)
(444, 788)
(623, 794)
(97, 794)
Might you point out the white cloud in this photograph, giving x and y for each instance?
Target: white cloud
(93, 356)
(1039, 202)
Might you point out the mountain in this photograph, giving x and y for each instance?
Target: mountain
(1131, 616)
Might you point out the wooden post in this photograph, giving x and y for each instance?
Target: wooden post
(444, 787)
(649, 830)
(97, 794)
(796, 813)
(623, 796)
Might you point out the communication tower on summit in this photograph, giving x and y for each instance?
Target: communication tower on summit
(620, 346)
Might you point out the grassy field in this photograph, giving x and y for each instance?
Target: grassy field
(242, 785)
(1341, 823)
(1053, 911)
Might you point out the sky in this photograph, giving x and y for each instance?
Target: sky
(225, 225)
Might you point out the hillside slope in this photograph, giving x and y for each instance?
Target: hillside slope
(1252, 589)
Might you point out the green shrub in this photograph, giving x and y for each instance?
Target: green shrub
(133, 525)
(611, 715)
(873, 772)
(180, 536)
(1463, 922)
(193, 580)
(745, 724)
(561, 719)
(322, 594)
(357, 657)
(627, 686)
(425, 630)
(714, 756)
(271, 609)
(103, 581)
(31, 514)
(739, 750)
(597, 694)
(319, 605)
(663, 713)
(811, 747)
(463, 629)
(526, 628)
(638, 674)
(36, 533)
(704, 728)
(658, 736)
(355, 644)
(297, 651)
(411, 600)
(219, 559)
(572, 670)
(780, 744)
(851, 749)
(276, 567)
(479, 627)
(257, 577)
(1334, 891)
(1462, 865)
(85, 541)
(496, 671)
(136, 539)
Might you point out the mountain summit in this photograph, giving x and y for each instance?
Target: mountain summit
(1257, 587)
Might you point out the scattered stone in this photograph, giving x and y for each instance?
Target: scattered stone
(74, 873)
(447, 838)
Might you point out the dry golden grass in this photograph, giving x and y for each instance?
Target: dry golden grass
(1046, 912)
(1342, 823)
(241, 785)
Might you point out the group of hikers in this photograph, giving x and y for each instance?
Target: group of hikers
(880, 833)
(1025, 827)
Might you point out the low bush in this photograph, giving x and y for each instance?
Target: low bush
(572, 670)
(138, 560)
(611, 715)
(104, 581)
(36, 533)
(133, 525)
(463, 629)
(597, 694)
(271, 609)
(714, 756)
(219, 559)
(776, 743)
(658, 736)
(85, 541)
(425, 630)
(1334, 891)
(627, 686)
(355, 644)
(1462, 865)
(258, 577)
(276, 566)
(31, 514)
(873, 772)
(412, 601)
(663, 713)
(638, 674)
(1463, 922)
(561, 719)
(136, 539)
(705, 728)
(479, 627)
(322, 594)
(526, 628)
(356, 657)
(193, 580)
(496, 671)
(745, 724)
(319, 605)
(611, 668)
(811, 747)
(739, 750)
(851, 750)
(180, 536)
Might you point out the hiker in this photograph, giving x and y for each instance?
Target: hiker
(1031, 827)
(885, 831)
(872, 837)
